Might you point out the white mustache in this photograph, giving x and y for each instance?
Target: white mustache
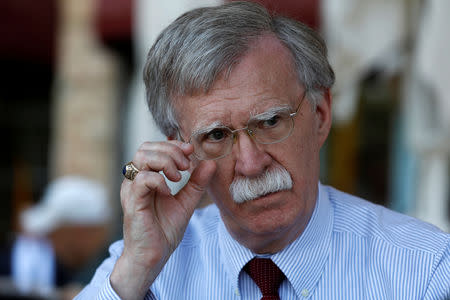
(275, 179)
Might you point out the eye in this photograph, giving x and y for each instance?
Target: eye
(269, 123)
(216, 135)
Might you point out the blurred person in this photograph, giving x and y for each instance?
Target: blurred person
(244, 100)
(59, 236)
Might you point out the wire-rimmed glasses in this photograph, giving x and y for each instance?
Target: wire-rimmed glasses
(270, 127)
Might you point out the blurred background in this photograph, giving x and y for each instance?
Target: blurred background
(72, 105)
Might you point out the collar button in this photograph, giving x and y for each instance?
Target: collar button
(305, 293)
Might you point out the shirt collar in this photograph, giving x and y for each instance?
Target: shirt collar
(302, 261)
(233, 255)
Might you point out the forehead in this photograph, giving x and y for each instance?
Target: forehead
(264, 78)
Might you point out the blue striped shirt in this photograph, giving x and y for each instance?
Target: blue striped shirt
(351, 249)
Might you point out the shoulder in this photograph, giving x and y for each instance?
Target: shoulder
(363, 219)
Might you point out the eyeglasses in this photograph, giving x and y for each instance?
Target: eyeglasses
(270, 127)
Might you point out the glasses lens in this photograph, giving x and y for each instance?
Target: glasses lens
(273, 129)
(213, 144)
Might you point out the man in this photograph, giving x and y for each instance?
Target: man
(59, 236)
(244, 99)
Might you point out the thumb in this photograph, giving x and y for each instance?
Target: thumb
(192, 192)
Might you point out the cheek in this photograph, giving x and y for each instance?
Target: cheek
(300, 157)
(220, 183)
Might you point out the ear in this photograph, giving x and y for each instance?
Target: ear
(324, 117)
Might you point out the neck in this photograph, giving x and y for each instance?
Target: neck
(271, 242)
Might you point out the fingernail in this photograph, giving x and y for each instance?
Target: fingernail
(186, 164)
(194, 164)
(185, 146)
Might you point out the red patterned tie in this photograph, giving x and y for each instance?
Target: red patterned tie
(266, 275)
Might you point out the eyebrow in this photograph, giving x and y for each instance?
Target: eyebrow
(270, 113)
(208, 128)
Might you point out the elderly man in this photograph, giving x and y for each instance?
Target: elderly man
(244, 99)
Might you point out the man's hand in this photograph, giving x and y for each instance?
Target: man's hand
(154, 220)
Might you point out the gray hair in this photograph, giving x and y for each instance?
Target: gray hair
(192, 52)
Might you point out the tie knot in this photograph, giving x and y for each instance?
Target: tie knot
(266, 275)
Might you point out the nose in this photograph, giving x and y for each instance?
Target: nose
(251, 158)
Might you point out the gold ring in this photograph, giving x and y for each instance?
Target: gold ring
(130, 171)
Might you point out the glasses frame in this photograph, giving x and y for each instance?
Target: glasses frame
(250, 132)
